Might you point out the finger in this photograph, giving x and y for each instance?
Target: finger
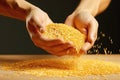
(92, 31)
(36, 34)
(31, 28)
(61, 47)
(69, 21)
(47, 42)
(35, 21)
(80, 26)
(41, 23)
(92, 36)
(85, 47)
(68, 51)
(53, 42)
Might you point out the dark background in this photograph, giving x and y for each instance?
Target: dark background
(14, 38)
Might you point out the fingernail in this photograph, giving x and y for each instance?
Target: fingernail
(41, 30)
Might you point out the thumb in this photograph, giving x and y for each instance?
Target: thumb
(69, 21)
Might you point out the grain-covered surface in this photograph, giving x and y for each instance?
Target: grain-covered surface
(12, 75)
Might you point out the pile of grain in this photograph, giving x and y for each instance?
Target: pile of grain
(64, 67)
(67, 34)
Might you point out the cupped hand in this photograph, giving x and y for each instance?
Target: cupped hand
(35, 23)
(86, 24)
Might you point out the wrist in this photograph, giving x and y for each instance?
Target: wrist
(93, 12)
(34, 11)
(20, 9)
(90, 6)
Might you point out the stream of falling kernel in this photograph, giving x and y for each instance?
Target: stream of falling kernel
(99, 47)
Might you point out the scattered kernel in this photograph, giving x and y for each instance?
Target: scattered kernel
(72, 66)
(103, 35)
(105, 51)
(101, 46)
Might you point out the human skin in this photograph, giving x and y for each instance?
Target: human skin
(83, 18)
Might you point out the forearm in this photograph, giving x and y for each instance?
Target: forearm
(18, 9)
(93, 6)
(103, 5)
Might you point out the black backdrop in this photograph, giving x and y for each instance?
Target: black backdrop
(14, 38)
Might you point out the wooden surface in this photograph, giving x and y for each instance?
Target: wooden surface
(12, 75)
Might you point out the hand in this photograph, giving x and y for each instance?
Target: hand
(87, 24)
(35, 23)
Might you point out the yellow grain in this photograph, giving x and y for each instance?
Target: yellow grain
(71, 66)
(65, 67)
(65, 33)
